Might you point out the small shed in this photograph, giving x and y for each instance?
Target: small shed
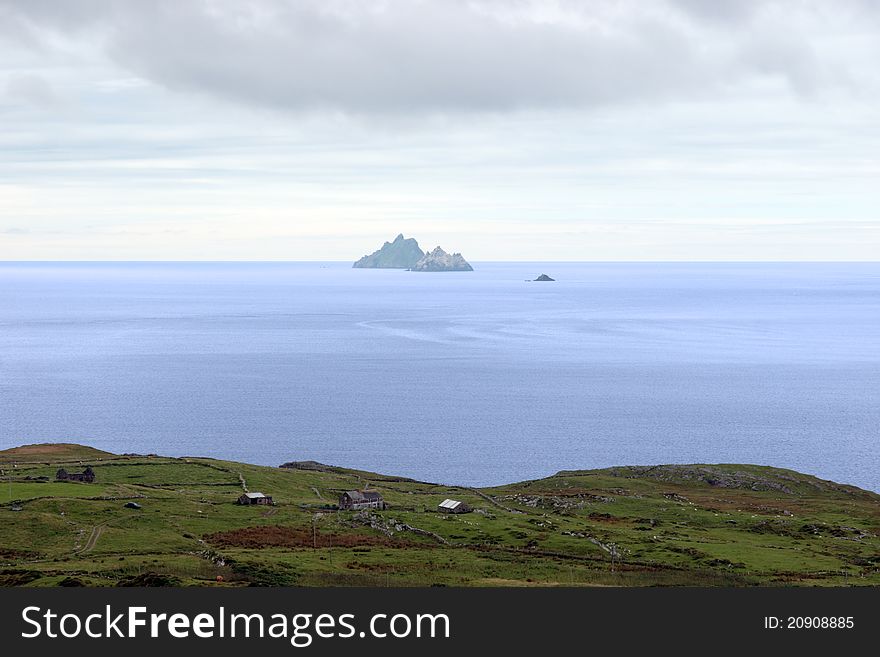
(254, 498)
(453, 506)
(353, 500)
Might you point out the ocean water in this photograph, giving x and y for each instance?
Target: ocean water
(471, 378)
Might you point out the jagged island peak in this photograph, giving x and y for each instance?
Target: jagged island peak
(402, 253)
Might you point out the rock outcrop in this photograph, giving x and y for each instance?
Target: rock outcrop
(402, 253)
(439, 260)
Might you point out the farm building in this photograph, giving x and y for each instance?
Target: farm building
(353, 500)
(453, 506)
(86, 476)
(255, 498)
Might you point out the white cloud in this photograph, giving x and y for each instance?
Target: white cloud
(552, 129)
(418, 55)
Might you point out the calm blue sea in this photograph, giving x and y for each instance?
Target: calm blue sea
(471, 378)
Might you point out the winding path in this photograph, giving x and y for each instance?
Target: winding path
(97, 530)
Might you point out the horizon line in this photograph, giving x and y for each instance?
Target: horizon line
(306, 261)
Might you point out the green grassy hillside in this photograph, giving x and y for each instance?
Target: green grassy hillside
(718, 525)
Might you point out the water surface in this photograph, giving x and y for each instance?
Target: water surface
(472, 378)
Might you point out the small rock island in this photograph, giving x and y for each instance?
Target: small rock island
(402, 253)
(439, 260)
(544, 277)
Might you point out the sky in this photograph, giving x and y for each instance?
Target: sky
(503, 129)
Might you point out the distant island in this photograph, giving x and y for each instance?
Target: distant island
(544, 278)
(402, 253)
(405, 253)
(439, 260)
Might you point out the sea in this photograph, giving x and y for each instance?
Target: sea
(470, 378)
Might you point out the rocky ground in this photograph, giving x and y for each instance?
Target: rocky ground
(700, 525)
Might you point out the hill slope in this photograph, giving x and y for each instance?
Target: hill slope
(665, 525)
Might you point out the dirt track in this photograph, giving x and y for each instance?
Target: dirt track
(93, 538)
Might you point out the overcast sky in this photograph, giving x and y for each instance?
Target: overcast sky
(507, 130)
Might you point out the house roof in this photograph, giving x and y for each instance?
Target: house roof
(363, 495)
(254, 496)
(449, 504)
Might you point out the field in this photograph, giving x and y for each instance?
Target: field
(682, 525)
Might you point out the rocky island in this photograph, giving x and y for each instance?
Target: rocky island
(544, 278)
(402, 253)
(439, 260)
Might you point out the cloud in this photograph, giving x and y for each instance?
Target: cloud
(405, 56)
(31, 89)
(617, 129)
(721, 12)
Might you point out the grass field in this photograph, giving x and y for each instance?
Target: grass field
(696, 525)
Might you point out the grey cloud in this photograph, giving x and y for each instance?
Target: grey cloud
(419, 57)
(444, 55)
(723, 12)
(31, 89)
